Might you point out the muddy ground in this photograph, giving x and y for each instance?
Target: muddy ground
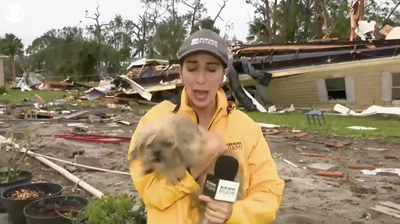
(308, 199)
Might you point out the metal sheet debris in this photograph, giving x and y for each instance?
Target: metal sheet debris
(361, 128)
(98, 92)
(377, 171)
(372, 110)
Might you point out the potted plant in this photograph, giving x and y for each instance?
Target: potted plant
(16, 198)
(120, 209)
(12, 162)
(54, 210)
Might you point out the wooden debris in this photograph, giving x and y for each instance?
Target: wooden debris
(330, 174)
(322, 167)
(300, 135)
(386, 30)
(361, 167)
(388, 208)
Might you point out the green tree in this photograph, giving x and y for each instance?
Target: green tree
(12, 46)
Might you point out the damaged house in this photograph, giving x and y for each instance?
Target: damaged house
(357, 74)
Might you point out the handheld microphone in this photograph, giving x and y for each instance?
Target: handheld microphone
(221, 185)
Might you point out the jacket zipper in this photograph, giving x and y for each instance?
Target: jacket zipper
(197, 117)
(214, 118)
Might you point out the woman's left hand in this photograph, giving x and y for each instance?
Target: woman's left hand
(216, 211)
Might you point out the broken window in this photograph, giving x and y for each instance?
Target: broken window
(336, 88)
(396, 86)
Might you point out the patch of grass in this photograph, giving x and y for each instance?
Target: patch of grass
(387, 129)
(141, 107)
(17, 96)
(3, 90)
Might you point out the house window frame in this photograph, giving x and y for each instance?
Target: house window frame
(322, 90)
(395, 85)
(340, 89)
(388, 85)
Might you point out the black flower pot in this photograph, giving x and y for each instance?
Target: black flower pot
(51, 210)
(15, 207)
(25, 177)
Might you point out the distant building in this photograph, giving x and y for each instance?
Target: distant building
(318, 75)
(355, 84)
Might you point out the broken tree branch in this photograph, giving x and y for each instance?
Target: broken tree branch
(220, 10)
(188, 5)
(393, 10)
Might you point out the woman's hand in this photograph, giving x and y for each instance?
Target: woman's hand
(216, 211)
(214, 147)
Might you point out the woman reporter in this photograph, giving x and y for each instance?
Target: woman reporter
(203, 64)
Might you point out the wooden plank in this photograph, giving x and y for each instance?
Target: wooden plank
(291, 47)
(381, 63)
(389, 204)
(385, 210)
(350, 89)
(386, 30)
(76, 114)
(321, 90)
(386, 86)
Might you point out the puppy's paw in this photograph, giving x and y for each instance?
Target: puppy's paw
(147, 171)
(173, 179)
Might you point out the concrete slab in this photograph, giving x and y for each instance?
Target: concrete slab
(286, 179)
(88, 160)
(322, 167)
(388, 208)
(375, 149)
(3, 218)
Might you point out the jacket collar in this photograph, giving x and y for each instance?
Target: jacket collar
(223, 106)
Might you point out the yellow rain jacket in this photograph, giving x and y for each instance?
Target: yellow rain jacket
(262, 186)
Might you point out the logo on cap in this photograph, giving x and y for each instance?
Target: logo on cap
(204, 41)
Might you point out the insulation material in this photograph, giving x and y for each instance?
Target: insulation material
(372, 110)
(366, 29)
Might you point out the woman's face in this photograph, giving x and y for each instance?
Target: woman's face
(202, 74)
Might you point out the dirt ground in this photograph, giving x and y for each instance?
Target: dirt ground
(311, 199)
(308, 199)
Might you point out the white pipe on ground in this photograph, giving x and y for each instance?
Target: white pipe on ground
(80, 165)
(59, 169)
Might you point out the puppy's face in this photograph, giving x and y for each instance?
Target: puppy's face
(173, 142)
(158, 146)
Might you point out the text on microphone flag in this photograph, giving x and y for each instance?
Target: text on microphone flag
(227, 191)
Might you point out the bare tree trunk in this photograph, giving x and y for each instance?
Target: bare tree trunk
(274, 27)
(13, 67)
(308, 15)
(322, 21)
(267, 21)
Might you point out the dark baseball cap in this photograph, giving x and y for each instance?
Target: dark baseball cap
(204, 41)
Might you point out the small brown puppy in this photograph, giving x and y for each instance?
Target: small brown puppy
(168, 147)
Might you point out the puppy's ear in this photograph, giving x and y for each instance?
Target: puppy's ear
(138, 142)
(143, 140)
(150, 138)
(132, 156)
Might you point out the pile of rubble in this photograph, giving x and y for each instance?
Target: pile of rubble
(61, 110)
(107, 87)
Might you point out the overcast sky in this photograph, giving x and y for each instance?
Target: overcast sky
(29, 19)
